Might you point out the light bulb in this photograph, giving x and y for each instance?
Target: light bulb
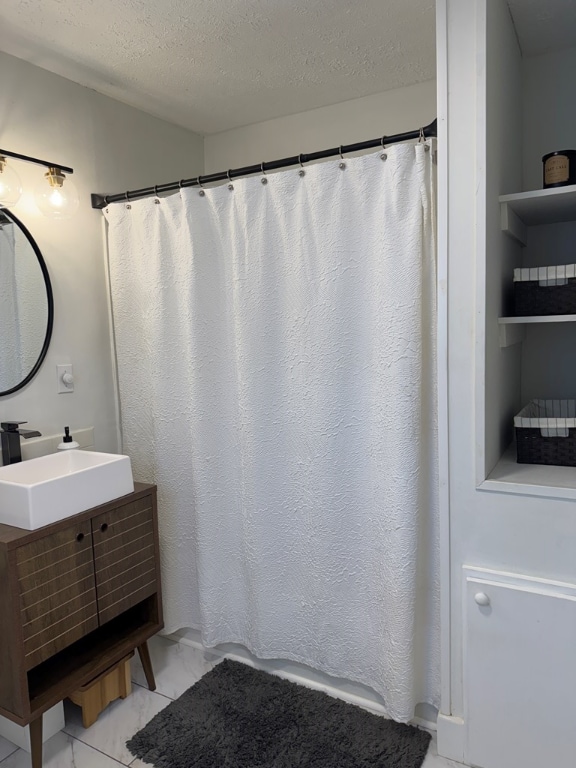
(57, 197)
(10, 186)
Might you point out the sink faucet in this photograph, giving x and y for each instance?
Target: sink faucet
(10, 434)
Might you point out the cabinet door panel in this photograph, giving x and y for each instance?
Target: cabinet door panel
(49, 581)
(51, 601)
(125, 557)
(57, 592)
(128, 554)
(520, 674)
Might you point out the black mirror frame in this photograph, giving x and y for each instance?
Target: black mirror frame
(49, 297)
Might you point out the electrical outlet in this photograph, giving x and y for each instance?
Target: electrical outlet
(65, 378)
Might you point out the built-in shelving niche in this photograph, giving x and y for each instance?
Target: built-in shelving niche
(519, 212)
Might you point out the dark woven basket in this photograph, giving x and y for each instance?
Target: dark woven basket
(533, 299)
(533, 448)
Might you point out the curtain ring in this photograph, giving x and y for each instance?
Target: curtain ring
(383, 156)
(180, 183)
(127, 197)
(341, 164)
(230, 185)
(301, 172)
(201, 193)
(157, 199)
(264, 180)
(422, 137)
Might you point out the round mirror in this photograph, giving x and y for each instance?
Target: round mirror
(26, 305)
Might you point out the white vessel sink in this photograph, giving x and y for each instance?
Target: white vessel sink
(42, 491)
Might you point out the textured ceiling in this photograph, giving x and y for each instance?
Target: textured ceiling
(544, 25)
(211, 65)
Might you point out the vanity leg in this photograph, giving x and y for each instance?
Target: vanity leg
(147, 665)
(36, 742)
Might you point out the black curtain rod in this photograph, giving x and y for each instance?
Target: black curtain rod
(101, 201)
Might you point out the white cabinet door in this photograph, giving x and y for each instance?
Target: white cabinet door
(519, 671)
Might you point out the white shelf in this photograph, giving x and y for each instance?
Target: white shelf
(513, 329)
(540, 206)
(538, 319)
(530, 479)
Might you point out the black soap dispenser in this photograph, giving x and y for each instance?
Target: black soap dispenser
(68, 441)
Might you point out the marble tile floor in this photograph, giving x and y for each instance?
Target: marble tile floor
(103, 745)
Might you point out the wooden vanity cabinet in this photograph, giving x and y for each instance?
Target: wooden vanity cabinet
(76, 597)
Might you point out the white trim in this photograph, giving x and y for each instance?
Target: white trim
(465, 575)
(442, 354)
(480, 243)
(519, 580)
(451, 738)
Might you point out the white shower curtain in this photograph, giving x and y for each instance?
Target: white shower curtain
(276, 359)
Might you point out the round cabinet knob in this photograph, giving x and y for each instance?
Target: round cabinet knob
(80, 537)
(104, 527)
(482, 598)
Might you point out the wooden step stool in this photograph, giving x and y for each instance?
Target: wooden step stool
(94, 697)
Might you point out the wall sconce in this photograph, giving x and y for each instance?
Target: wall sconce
(53, 199)
(56, 196)
(10, 185)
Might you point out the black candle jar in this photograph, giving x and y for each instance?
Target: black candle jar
(559, 168)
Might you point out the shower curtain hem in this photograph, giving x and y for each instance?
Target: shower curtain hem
(326, 669)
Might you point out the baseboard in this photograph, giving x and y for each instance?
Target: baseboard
(19, 735)
(451, 738)
(297, 673)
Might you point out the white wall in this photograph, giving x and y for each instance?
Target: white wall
(549, 109)
(402, 109)
(500, 153)
(112, 147)
(549, 92)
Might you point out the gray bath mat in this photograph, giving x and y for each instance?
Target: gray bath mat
(239, 717)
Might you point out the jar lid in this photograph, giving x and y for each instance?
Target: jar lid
(567, 152)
